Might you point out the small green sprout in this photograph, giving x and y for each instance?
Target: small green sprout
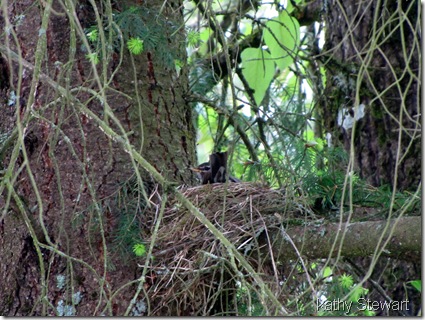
(93, 35)
(135, 45)
(193, 38)
(139, 249)
(93, 57)
(346, 281)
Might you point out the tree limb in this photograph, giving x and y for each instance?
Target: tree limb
(360, 240)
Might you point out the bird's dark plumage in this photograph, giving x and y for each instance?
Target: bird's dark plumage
(214, 171)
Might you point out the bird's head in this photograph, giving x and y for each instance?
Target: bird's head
(203, 167)
(204, 172)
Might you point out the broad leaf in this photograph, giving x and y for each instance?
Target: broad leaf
(290, 7)
(282, 36)
(258, 70)
(417, 284)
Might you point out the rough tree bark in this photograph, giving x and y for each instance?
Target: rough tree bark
(73, 171)
(373, 77)
(67, 186)
(372, 61)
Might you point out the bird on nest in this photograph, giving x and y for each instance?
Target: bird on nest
(214, 171)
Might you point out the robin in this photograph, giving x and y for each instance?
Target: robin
(214, 171)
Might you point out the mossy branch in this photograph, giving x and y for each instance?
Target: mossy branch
(360, 240)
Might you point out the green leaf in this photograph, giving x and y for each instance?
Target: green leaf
(417, 284)
(135, 45)
(369, 313)
(282, 36)
(139, 249)
(290, 7)
(258, 70)
(204, 35)
(309, 134)
(327, 272)
(357, 292)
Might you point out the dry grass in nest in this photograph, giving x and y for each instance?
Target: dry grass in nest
(187, 254)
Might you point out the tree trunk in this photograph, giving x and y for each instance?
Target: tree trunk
(373, 75)
(63, 196)
(372, 106)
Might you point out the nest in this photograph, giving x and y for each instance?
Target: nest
(191, 268)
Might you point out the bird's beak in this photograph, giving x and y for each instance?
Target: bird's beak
(196, 169)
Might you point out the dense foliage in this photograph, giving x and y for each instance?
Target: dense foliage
(258, 79)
